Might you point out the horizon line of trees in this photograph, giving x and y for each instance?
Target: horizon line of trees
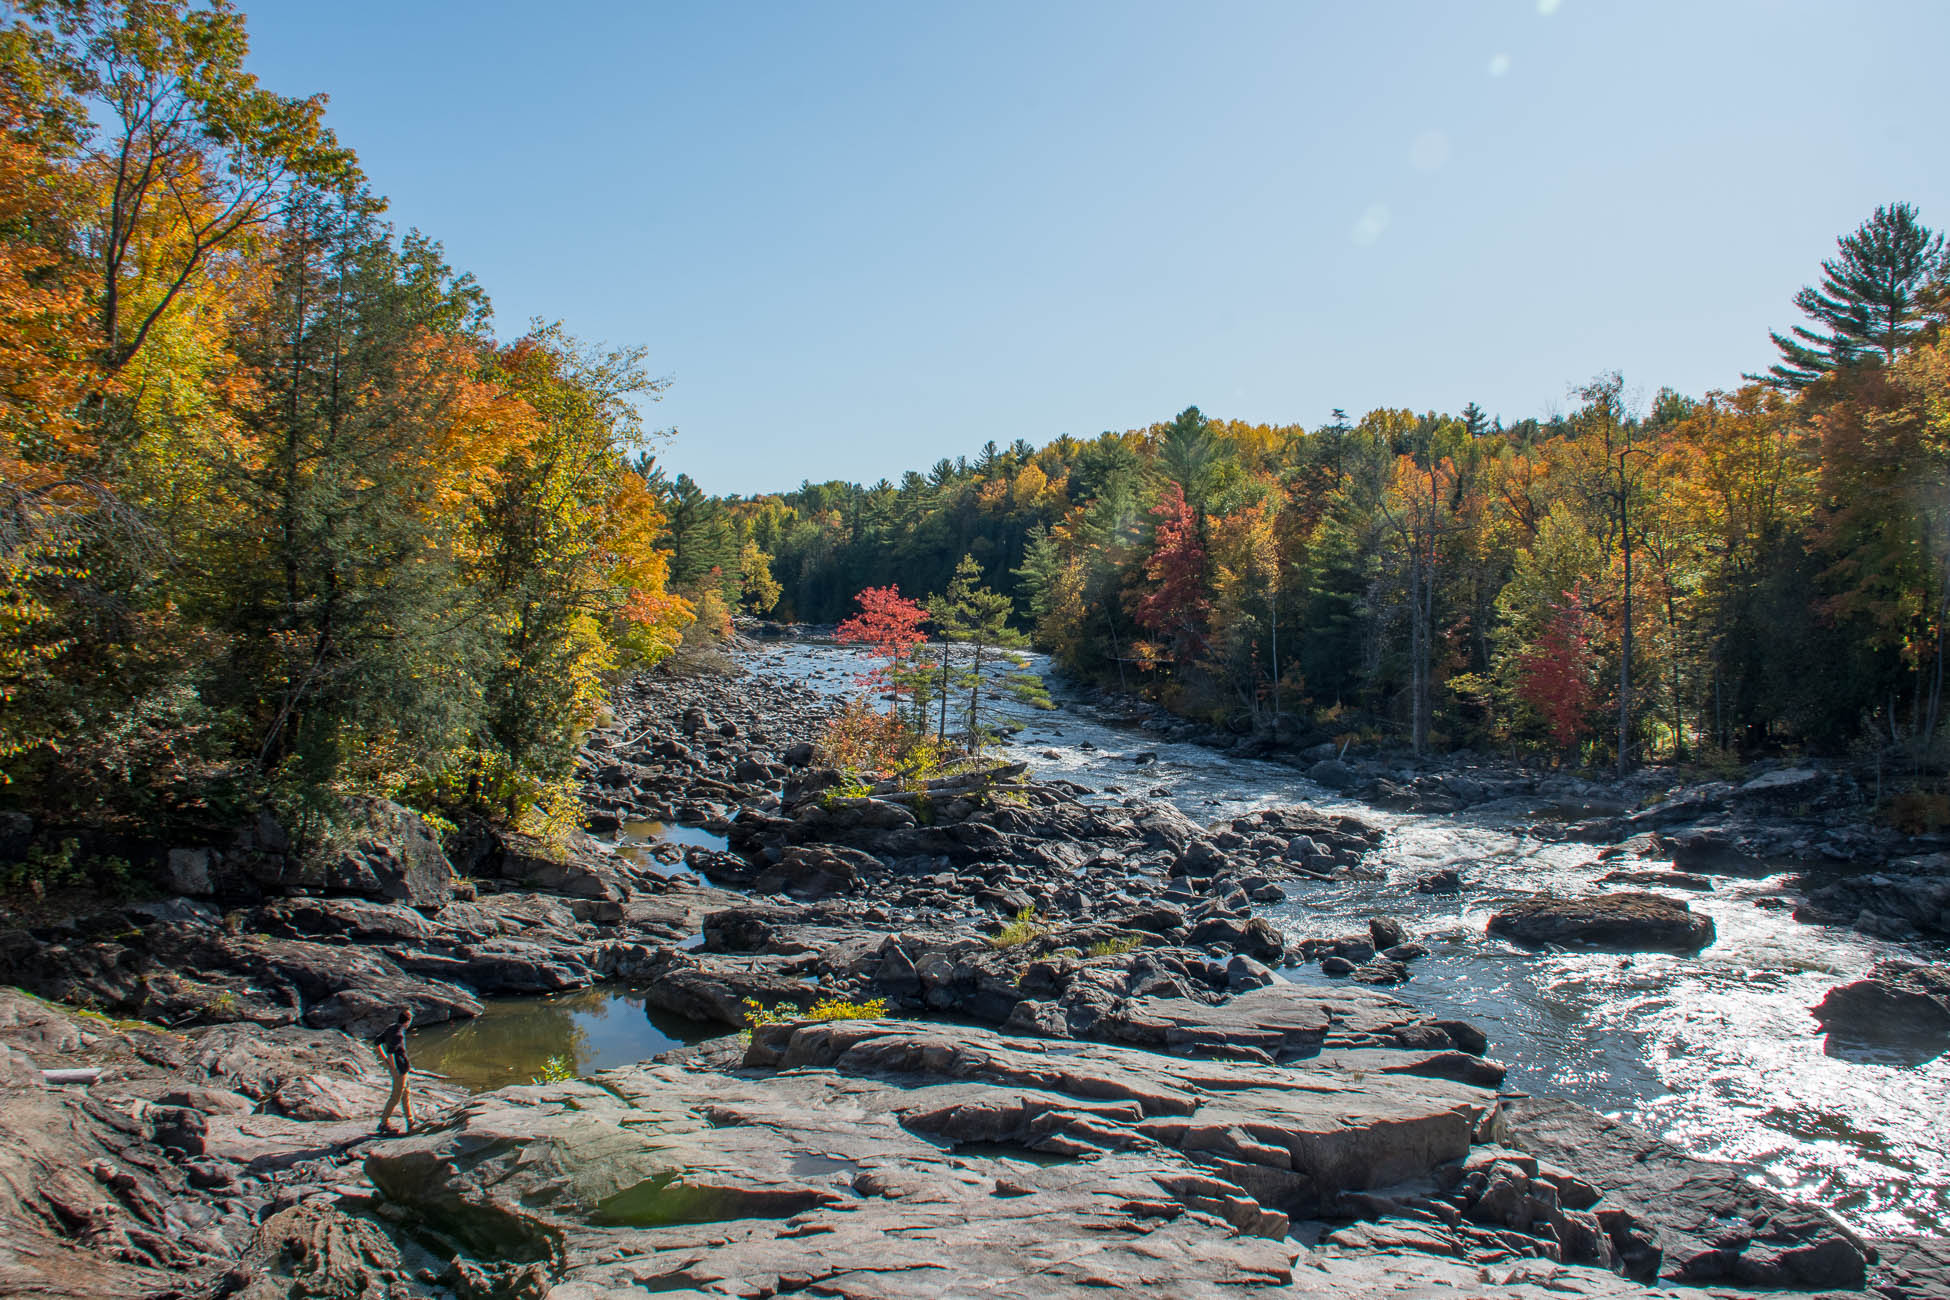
(1780, 552)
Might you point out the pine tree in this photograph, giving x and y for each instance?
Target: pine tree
(1186, 452)
(698, 533)
(1874, 298)
(969, 613)
(1041, 570)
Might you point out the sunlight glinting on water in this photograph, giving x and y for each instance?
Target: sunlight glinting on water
(1717, 1053)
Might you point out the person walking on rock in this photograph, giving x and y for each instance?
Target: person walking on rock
(391, 1045)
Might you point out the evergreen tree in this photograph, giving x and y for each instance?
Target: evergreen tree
(700, 537)
(1042, 566)
(1874, 298)
(1186, 453)
(969, 614)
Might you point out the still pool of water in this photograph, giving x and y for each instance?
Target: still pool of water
(512, 1040)
(684, 837)
(639, 840)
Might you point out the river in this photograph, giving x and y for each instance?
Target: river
(1717, 1053)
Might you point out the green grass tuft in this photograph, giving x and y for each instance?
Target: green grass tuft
(1027, 926)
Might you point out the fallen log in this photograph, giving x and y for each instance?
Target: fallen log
(53, 1077)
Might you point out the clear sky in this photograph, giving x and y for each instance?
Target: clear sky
(861, 236)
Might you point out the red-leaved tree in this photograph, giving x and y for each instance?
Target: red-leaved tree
(890, 625)
(1178, 605)
(1554, 675)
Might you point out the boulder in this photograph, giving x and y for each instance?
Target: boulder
(1254, 936)
(381, 851)
(1897, 1001)
(189, 871)
(1622, 922)
(1334, 774)
(816, 871)
(712, 989)
(1666, 879)
(1446, 881)
(1710, 850)
(1387, 932)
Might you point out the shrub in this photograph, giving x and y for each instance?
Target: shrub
(872, 745)
(757, 1013)
(557, 1069)
(1113, 947)
(1918, 812)
(65, 867)
(1027, 926)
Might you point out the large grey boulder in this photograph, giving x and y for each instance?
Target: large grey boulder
(1334, 774)
(378, 850)
(1621, 922)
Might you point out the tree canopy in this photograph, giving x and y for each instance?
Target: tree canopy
(281, 518)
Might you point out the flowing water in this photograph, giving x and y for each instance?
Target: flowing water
(1716, 1052)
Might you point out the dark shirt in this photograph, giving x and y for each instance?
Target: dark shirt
(392, 1041)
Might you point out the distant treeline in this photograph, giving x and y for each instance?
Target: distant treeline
(1451, 580)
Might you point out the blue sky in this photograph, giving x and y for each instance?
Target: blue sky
(859, 237)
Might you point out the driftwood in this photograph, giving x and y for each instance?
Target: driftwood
(963, 783)
(52, 1077)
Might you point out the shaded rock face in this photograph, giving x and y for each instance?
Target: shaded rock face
(1898, 1002)
(1621, 922)
(1678, 1219)
(1907, 899)
(382, 852)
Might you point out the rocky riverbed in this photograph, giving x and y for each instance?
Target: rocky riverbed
(1132, 1093)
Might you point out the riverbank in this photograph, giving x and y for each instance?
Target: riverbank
(1126, 1093)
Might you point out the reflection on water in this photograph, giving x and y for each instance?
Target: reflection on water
(646, 832)
(1716, 1052)
(642, 842)
(512, 1040)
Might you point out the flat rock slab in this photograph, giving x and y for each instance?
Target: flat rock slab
(1286, 1021)
(885, 1158)
(1621, 922)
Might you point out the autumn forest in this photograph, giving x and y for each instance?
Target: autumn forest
(283, 514)
(1743, 572)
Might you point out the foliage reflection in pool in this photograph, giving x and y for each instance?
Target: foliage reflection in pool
(511, 1041)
